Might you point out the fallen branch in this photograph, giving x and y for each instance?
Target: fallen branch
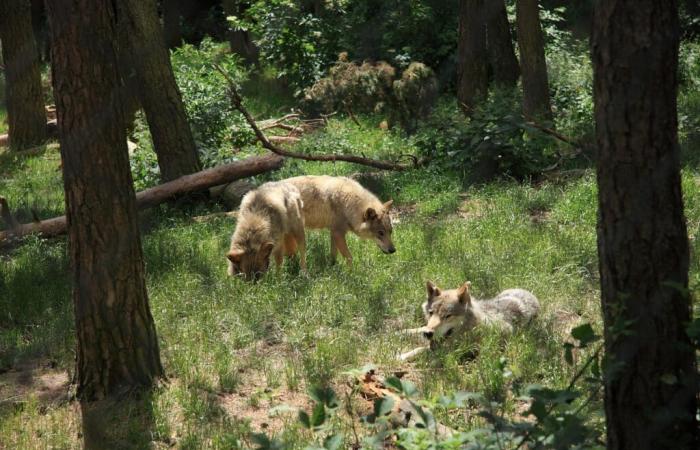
(578, 145)
(162, 193)
(238, 104)
(283, 139)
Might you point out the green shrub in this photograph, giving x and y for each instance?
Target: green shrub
(214, 121)
(494, 141)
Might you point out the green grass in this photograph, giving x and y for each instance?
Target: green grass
(232, 350)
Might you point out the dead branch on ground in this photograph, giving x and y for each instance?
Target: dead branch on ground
(378, 164)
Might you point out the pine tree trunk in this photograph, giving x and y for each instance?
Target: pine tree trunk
(25, 101)
(158, 92)
(500, 45)
(650, 395)
(536, 103)
(472, 83)
(117, 346)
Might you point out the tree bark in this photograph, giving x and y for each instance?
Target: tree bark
(159, 194)
(536, 102)
(25, 101)
(651, 381)
(117, 346)
(158, 92)
(499, 43)
(472, 83)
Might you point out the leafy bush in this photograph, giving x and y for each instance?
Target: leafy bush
(215, 123)
(494, 141)
(372, 87)
(299, 44)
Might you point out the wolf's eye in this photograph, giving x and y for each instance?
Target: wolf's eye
(380, 233)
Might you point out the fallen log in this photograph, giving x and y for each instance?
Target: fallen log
(162, 193)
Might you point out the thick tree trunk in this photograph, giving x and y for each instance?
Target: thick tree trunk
(25, 101)
(116, 337)
(499, 43)
(472, 83)
(158, 92)
(536, 103)
(650, 387)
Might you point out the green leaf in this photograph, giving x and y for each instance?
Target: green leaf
(304, 419)
(333, 442)
(383, 406)
(584, 334)
(324, 395)
(393, 383)
(318, 415)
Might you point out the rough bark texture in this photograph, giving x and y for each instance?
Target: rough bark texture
(472, 75)
(25, 101)
(650, 398)
(536, 103)
(499, 43)
(117, 346)
(163, 192)
(158, 92)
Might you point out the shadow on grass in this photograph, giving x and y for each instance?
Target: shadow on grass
(125, 423)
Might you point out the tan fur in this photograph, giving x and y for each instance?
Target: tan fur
(340, 204)
(270, 224)
(454, 310)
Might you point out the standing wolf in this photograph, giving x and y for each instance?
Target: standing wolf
(341, 205)
(454, 310)
(270, 223)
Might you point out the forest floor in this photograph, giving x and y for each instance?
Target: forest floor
(236, 353)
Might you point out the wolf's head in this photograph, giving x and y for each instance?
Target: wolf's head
(250, 263)
(377, 226)
(445, 310)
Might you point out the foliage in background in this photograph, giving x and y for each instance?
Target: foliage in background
(216, 125)
(492, 142)
(373, 87)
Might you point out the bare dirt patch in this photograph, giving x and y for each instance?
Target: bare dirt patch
(48, 384)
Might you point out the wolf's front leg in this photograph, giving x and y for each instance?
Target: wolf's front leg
(342, 246)
(408, 356)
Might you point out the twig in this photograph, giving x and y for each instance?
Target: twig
(351, 114)
(238, 104)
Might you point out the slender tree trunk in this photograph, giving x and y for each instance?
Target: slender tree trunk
(472, 83)
(536, 103)
(650, 384)
(25, 101)
(158, 92)
(116, 337)
(500, 45)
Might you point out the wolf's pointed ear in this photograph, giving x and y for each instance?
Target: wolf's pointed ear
(433, 291)
(234, 256)
(266, 249)
(387, 205)
(463, 294)
(370, 214)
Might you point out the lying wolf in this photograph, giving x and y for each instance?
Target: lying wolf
(453, 310)
(270, 223)
(341, 205)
